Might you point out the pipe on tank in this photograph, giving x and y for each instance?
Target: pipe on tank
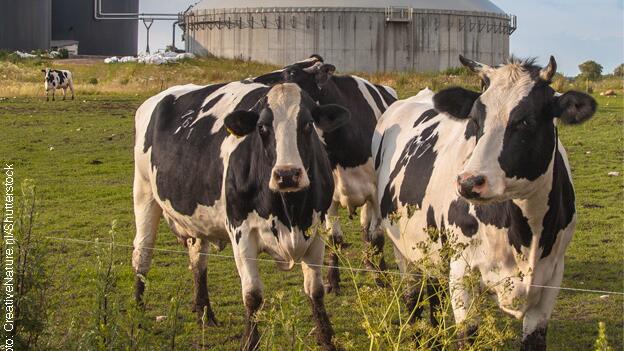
(173, 35)
(98, 14)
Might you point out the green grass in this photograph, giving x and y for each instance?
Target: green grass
(80, 155)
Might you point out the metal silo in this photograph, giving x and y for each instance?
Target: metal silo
(25, 24)
(355, 35)
(76, 20)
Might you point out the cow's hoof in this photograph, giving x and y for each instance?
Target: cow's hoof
(380, 280)
(467, 337)
(329, 289)
(210, 321)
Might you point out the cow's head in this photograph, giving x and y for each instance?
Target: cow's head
(284, 122)
(311, 74)
(304, 77)
(301, 72)
(47, 74)
(514, 119)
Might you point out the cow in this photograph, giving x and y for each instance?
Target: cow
(490, 168)
(348, 148)
(239, 163)
(57, 79)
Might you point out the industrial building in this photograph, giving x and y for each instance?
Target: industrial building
(33, 24)
(25, 24)
(77, 20)
(354, 35)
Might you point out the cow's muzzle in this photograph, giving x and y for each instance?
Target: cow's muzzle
(471, 186)
(288, 179)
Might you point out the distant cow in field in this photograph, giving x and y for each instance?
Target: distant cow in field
(239, 163)
(348, 147)
(57, 79)
(489, 167)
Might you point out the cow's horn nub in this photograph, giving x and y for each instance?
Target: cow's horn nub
(549, 71)
(474, 66)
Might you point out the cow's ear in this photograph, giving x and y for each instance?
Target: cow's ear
(574, 107)
(241, 123)
(43, 70)
(324, 74)
(330, 117)
(457, 102)
(269, 78)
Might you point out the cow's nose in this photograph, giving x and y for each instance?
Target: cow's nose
(287, 178)
(471, 186)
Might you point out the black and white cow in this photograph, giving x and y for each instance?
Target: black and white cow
(348, 147)
(489, 167)
(57, 79)
(238, 163)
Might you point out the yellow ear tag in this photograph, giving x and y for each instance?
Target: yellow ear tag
(231, 132)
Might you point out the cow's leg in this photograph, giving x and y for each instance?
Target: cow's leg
(313, 287)
(245, 253)
(535, 322)
(414, 292)
(336, 238)
(436, 293)
(71, 88)
(53, 92)
(47, 95)
(198, 248)
(461, 299)
(147, 215)
(64, 93)
(374, 236)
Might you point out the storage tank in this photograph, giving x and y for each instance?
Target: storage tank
(25, 24)
(75, 20)
(354, 35)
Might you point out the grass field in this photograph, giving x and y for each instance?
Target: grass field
(79, 154)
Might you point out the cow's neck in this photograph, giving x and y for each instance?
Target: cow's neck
(534, 208)
(344, 144)
(330, 93)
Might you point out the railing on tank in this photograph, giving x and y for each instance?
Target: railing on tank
(513, 24)
(399, 14)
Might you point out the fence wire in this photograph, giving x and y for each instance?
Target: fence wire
(355, 269)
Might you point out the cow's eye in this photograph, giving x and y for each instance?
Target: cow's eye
(307, 128)
(523, 124)
(263, 129)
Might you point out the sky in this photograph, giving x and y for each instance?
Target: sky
(573, 31)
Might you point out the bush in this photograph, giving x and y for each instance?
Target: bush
(63, 53)
(457, 71)
(385, 317)
(4, 55)
(590, 70)
(602, 344)
(559, 82)
(116, 325)
(31, 281)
